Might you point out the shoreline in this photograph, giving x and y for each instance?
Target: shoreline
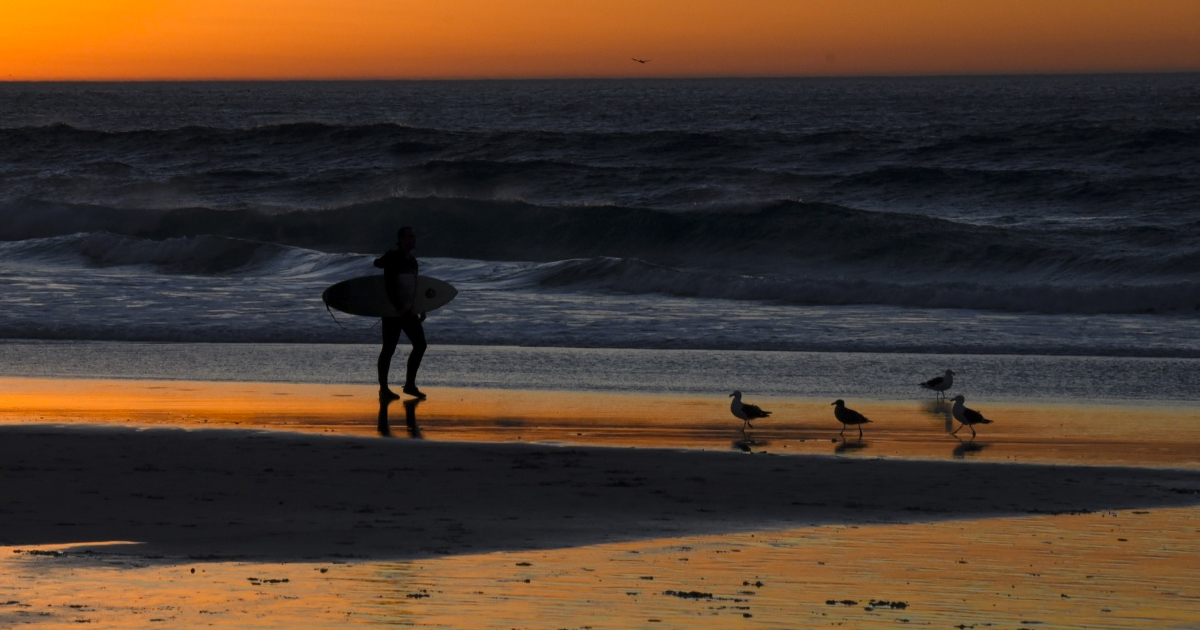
(848, 375)
(1035, 432)
(220, 494)
(1153, 354)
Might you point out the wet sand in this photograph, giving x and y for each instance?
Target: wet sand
(221, 494)
(536, 509)
(1131, 569)
(1159, 435)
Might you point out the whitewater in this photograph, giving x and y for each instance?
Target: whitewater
(955, 215)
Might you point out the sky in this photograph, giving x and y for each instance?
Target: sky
(459, 39)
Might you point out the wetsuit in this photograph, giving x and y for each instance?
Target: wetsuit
(394, 263)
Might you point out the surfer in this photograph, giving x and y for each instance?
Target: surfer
(395, 262)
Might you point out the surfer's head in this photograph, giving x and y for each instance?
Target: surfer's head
(406, 238)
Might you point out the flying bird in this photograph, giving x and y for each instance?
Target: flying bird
(848, 416)
(746, 411)
(967, 416)
(940, 384)
(641, 60)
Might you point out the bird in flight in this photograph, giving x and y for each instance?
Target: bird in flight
(641, 60)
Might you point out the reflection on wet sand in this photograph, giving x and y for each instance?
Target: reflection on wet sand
(1029, 432)
(847, 446)
(749, 445)
(1126, 570)
(940, 410)
(1062, 569)
(970, 447)
(410, 418)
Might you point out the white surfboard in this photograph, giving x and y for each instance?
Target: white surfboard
(367, 296)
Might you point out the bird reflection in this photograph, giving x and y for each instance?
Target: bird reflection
(747, 444)
(845, 446)
(966, 448)
(941, 410)
(410, 417)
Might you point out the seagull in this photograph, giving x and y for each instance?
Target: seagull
(746, 411)
(848, 416)
(641, 60)
(967, 416)
(940, 384)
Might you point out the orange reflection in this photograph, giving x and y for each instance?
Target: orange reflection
(1128, 569)
(175, 402)
(1022, 432)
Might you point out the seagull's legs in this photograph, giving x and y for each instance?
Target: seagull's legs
(843, 431)
(860, 433)
(955, 432)
(972, 432)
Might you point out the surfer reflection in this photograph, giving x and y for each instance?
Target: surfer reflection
(410, 417)
(383, 426)
(395, 262)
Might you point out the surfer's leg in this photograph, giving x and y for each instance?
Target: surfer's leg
(391, 336)
(416, 334)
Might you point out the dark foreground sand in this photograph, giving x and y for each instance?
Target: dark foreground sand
(237, 494)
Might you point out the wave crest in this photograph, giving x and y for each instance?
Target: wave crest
(640, 277)
(200, 255)
(785, 237)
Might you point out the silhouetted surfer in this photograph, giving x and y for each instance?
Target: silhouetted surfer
(395, 262)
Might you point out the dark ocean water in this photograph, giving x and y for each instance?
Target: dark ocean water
(1041, 215)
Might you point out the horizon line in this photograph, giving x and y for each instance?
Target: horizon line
(894, 75)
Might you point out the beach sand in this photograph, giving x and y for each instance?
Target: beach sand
(169, 504)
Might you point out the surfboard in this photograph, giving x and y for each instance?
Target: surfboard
(366, 295)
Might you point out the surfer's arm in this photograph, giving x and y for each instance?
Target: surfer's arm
(390, 273)
(390, 280)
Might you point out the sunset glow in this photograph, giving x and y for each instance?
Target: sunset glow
(294, 39)
(1100, 435)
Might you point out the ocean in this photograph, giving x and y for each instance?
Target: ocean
(969, 216)
(627, 253)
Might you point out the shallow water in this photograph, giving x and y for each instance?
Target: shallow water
(1128, 569)
(1028, 432)
(848, 375)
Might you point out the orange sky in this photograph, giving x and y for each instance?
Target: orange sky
(291, 39)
